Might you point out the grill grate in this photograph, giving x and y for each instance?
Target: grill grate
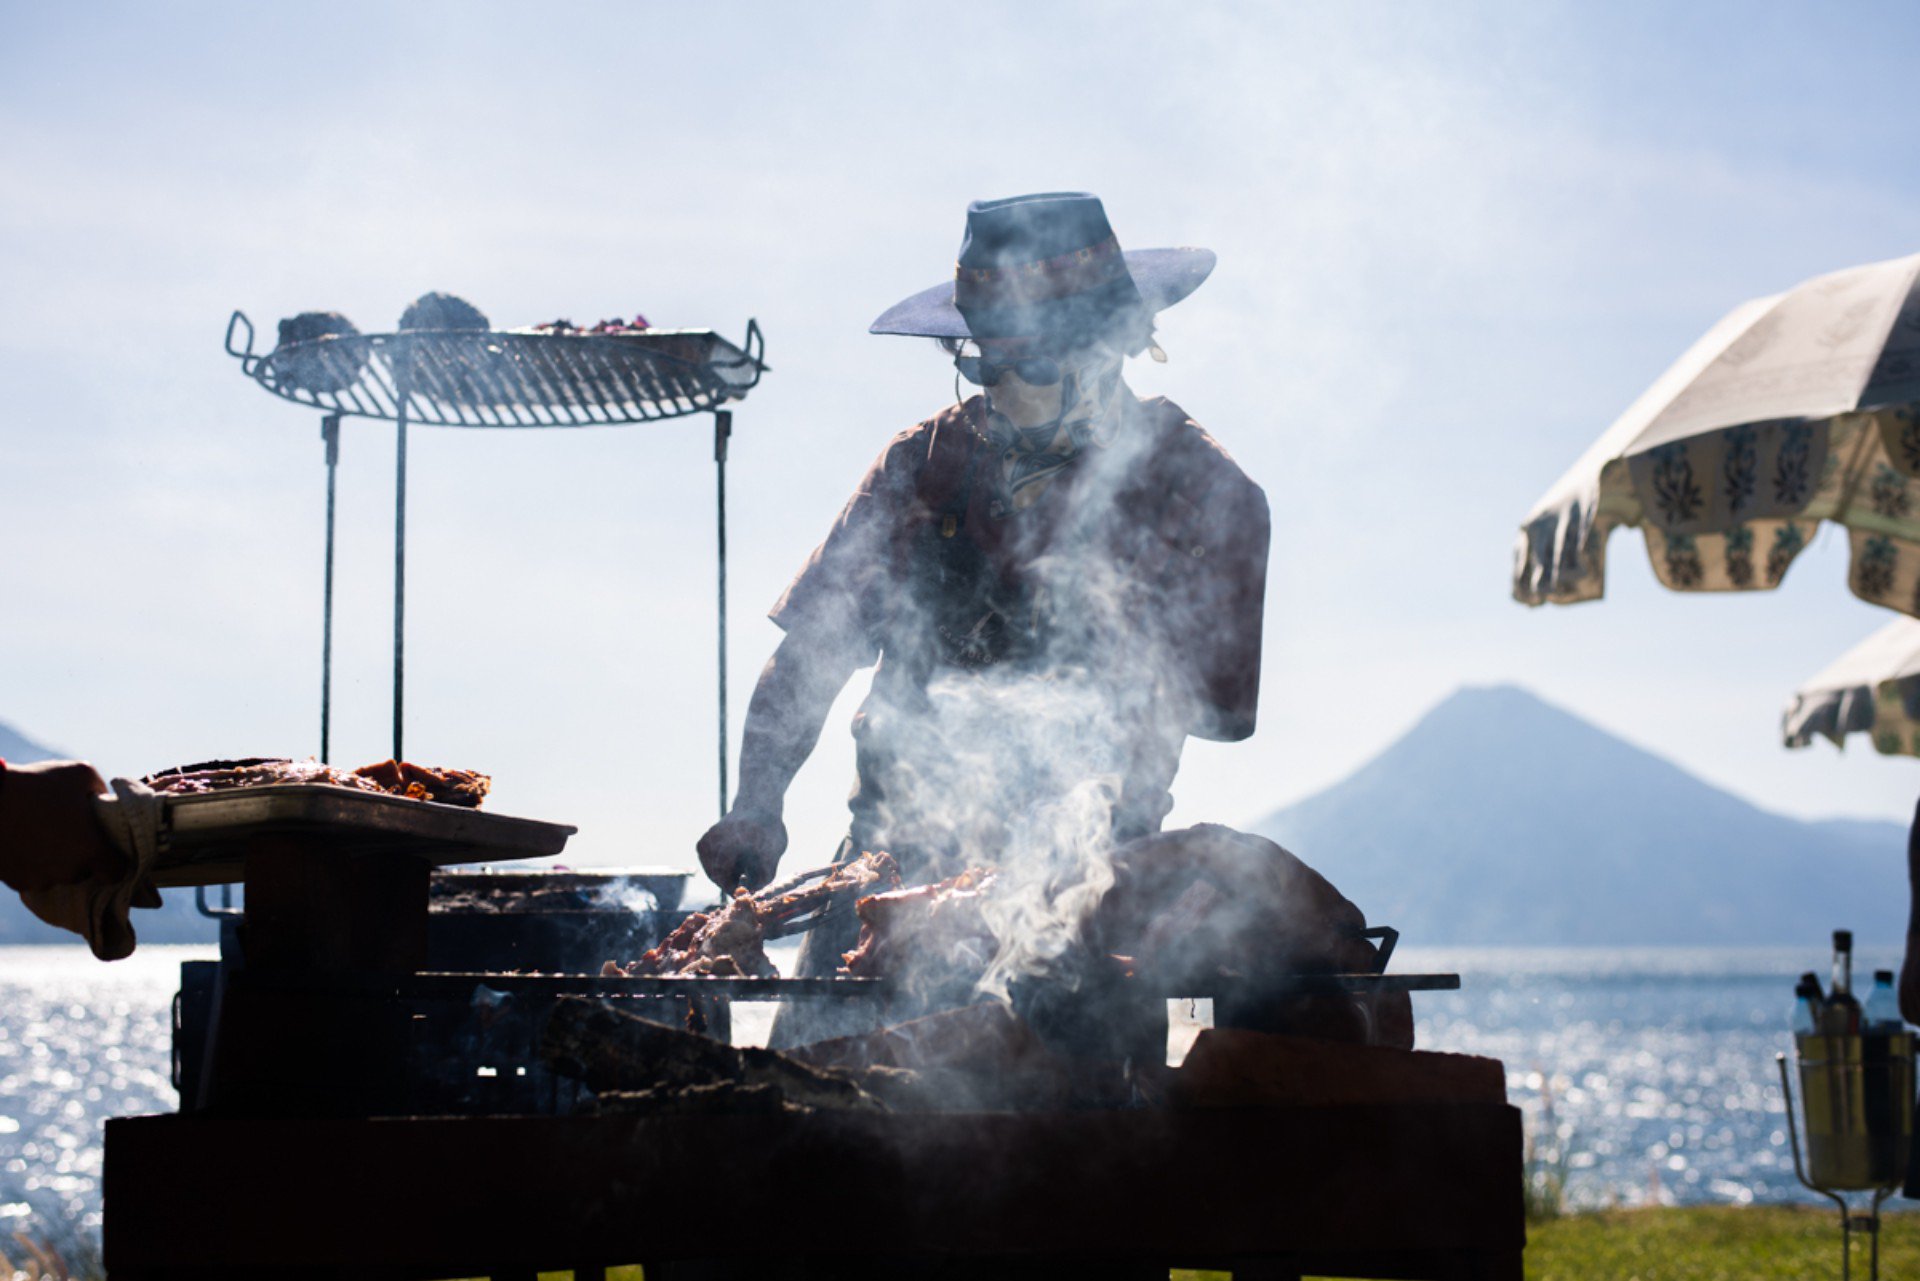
(483, 378)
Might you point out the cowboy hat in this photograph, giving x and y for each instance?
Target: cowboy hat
(1044, 265)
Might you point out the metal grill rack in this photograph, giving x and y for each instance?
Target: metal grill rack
(502, 379)
(483, 378)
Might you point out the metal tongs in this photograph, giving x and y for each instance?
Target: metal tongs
(830, 907)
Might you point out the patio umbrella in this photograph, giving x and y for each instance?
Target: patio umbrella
(1792, 410)
(1872, 689)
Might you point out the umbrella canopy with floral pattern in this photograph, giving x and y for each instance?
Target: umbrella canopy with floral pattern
(1793, 409)
(1872, 689)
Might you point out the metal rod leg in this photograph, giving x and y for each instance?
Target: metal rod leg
(722, 429)
(403, 390)
(1879, 1195)
(330, 433)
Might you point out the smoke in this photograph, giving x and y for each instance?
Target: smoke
(1040, 763)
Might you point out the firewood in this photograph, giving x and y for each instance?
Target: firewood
(611, 1051)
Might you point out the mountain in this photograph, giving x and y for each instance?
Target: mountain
(1499, 818)
(15, 746)
(176, 921)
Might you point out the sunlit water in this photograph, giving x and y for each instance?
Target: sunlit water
(80, 1041)
(1654, 1066)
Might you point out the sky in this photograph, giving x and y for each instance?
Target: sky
(1455, 241)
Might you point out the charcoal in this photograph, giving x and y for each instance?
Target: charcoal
(613, 1051)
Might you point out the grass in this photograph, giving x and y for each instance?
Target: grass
(1712, 1243)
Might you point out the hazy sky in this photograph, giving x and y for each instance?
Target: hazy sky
(1455, 241)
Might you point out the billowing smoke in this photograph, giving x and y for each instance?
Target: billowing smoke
(1036, 765)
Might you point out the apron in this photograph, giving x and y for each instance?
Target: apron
(967, 619)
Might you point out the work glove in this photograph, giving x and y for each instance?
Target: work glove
(744, 848)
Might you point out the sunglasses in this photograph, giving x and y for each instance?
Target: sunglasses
(984, 371)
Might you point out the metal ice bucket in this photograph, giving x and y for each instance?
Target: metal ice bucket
(1857, 1094)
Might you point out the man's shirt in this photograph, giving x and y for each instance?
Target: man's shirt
(1085, 635)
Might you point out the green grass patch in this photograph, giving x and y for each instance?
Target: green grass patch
(1713, 1243)
(1703, 1243)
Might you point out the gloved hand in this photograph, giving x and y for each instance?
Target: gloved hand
(50, 833)
(744, 848)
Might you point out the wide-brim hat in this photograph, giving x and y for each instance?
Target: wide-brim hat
(1047, 264)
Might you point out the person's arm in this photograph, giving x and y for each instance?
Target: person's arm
(50, 834)
(784, 718)
(1910, 964)
(831, 614)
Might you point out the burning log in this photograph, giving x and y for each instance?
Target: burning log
(979, 1057)
(635, 1064)
(1229, 1068)
(987, 1037)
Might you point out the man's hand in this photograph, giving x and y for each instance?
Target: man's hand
(50, 835)
(743, 848)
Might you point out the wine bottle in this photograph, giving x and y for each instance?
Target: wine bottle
(1842, 1015)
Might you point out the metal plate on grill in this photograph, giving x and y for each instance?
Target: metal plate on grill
(206, 835)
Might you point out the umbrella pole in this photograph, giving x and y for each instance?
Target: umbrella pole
(403, 388)
(722, 429)
(330, 433)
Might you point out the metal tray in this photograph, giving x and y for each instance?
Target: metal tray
(541, 890)
(204, 837)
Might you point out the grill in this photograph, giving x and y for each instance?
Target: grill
(356, 1100)
(482, 378)
(487, 379)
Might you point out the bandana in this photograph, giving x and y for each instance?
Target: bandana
(1037, 432)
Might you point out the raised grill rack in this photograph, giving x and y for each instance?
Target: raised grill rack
(483, 378)
(502, 379)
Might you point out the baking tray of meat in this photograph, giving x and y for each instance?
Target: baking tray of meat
(207, 833)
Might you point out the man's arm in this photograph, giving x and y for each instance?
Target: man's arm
(1910, 965)
(784, 718)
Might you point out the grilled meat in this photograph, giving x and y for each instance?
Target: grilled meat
(730, 941)
(443, 786)
(566, 328)
(392, 778)
(933, 931)
(871, 873)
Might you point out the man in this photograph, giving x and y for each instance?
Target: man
(1058, 581)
